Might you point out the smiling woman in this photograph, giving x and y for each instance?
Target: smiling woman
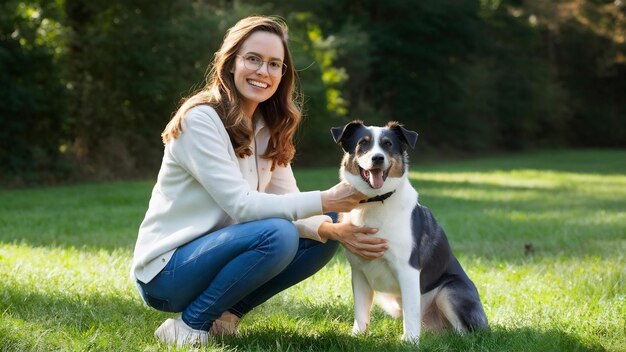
(227, 227)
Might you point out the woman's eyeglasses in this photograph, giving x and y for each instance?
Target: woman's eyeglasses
(254, 62)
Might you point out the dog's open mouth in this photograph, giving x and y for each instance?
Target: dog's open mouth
(374, 177)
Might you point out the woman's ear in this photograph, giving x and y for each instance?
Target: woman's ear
(231, 65)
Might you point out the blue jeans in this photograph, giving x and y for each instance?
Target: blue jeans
(236, 269)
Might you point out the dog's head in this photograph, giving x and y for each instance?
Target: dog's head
(376, 158)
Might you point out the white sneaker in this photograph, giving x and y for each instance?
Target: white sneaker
(176, 332)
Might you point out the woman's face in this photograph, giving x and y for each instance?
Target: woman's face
(255, 83)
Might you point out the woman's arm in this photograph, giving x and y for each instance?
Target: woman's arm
(340, 198)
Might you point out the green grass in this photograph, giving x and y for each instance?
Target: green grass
(65, 254)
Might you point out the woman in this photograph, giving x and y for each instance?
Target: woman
(226, 227)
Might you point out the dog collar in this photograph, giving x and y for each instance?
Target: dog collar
(379, 198)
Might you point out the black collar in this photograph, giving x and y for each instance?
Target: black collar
(378, 198)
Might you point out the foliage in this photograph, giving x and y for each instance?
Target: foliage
(541, 234)
(33, 120)
(130, 62)
(86, 87)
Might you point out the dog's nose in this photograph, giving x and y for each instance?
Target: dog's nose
(378, 158)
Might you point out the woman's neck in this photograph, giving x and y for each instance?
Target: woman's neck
(249, 109)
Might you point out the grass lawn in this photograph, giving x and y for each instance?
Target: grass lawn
(542, 235)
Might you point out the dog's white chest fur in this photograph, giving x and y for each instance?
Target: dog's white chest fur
(393, 221)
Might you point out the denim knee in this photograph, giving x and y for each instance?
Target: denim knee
(283, 234)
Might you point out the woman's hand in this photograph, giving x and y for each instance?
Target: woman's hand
(341, 198)
(355, 239)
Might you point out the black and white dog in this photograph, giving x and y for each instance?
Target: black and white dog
(418, 277)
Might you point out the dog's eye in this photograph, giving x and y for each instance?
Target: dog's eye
(387, 143)
(364, 142)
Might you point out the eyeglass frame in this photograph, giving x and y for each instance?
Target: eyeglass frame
(267, 62)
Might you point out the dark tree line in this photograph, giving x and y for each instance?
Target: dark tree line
(87, 86)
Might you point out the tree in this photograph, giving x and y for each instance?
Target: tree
(33, 110)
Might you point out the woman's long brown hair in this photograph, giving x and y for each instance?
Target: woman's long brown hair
(281, 112)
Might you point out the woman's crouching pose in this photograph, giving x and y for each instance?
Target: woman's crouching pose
(227, 227)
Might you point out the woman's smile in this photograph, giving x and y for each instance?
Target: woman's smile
(258, 84)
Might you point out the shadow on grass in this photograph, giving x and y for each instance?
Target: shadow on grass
(91, 216)
(495, 339)
(34, 321)
(70, 322)
(554, 221)
(301, 327)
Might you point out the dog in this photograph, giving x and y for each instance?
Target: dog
(418, 277)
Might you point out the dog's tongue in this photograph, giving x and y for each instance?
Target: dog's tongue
(376, 178)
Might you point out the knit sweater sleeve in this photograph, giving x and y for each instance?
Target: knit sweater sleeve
(204, 150)
(283, 181)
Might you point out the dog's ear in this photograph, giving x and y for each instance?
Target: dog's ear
(409, 137)
(343, 132)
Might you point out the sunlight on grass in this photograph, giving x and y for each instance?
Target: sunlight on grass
(65, 270)
(515, 179)
(545, 247)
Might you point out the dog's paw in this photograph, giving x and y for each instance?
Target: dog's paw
(411, 338)
(357, 331)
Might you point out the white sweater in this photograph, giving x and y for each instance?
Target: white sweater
(203, 186)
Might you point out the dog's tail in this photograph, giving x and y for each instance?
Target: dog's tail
(390, 303)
